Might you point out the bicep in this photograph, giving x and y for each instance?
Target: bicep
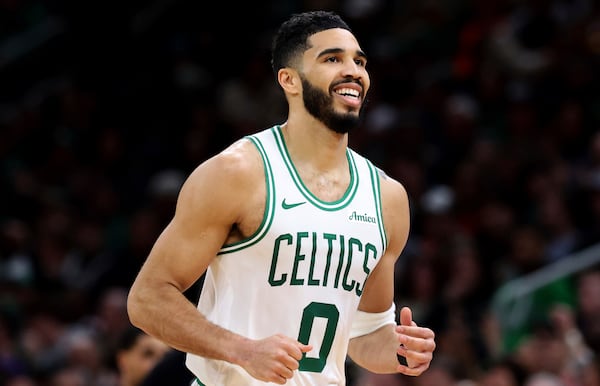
(209, 204)
(179, 256)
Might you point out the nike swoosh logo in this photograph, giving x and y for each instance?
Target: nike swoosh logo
(285, 205)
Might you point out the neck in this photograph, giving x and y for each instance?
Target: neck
(310, 142)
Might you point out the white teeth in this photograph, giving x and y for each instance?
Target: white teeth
(348, 91)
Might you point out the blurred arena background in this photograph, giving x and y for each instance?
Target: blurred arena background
(487, 111)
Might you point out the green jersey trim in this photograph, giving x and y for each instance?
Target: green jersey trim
(377, 195)
(324, 205)
(269, 205)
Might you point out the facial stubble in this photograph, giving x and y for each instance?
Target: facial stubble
(320, 105)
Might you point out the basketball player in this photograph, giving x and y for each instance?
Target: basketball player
(298, 236)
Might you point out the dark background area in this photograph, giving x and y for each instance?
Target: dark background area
(488, 113)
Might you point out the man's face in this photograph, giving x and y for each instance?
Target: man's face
(135, 363)
(320, 105)
(335, 80)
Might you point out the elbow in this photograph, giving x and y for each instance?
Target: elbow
(134, 308)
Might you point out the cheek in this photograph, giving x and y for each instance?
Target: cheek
(366, 83)
(323, 78)
(146, 364)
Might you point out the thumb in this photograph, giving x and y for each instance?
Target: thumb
(305, 347)
(406, 317)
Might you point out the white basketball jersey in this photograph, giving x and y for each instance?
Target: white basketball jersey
(300, 274)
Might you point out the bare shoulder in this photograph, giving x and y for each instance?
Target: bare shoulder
(396, 213)
(238, 164)
(211, 201)
(241, 156)
(222, 180)
(393, 192)
(239, 161)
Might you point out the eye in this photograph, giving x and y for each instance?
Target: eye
(332, 59)
(360, 62)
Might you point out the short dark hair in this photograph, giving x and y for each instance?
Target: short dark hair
(292, 36)
(129, 338)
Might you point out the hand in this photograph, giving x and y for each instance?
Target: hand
(563, 318)
(416, 344)
(274, 359)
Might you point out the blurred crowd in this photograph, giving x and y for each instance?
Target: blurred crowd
(487, 111)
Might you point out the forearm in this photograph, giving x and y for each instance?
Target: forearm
(376, 351)
(163, 311)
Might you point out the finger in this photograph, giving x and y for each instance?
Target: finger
(300, 349)
(287, 372)
(291, 364)
(416, 344)
(294, 355)
(412, 362)
(415, 331)
(413, 372)
(406, 316)
(413, 358)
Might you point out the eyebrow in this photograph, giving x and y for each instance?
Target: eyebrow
(329, 51)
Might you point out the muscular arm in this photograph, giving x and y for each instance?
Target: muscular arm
(213, 201)
(377, 351)
(206, 210)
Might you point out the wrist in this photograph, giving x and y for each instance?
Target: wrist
(239, 352)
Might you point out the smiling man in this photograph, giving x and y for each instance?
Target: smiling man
(298, 236)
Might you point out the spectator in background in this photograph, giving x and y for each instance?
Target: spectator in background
(143, 227)
(513, 83)
(41, 339)
(370, 379)
(170, 370)
(588, 180)
(544, 379)
(136, 355)
(12, 362)
(587, 313)
(67, 376)
(580, 367)
(503, 372)
(250, 99)
(84, 353)
(109, 319)
(556, 222)
(443, 372)
(20, 380)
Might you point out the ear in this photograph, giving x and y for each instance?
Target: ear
(289, 80)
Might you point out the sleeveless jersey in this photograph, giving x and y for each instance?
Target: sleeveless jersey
(300, 274)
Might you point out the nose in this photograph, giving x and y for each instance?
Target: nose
(353, 70)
